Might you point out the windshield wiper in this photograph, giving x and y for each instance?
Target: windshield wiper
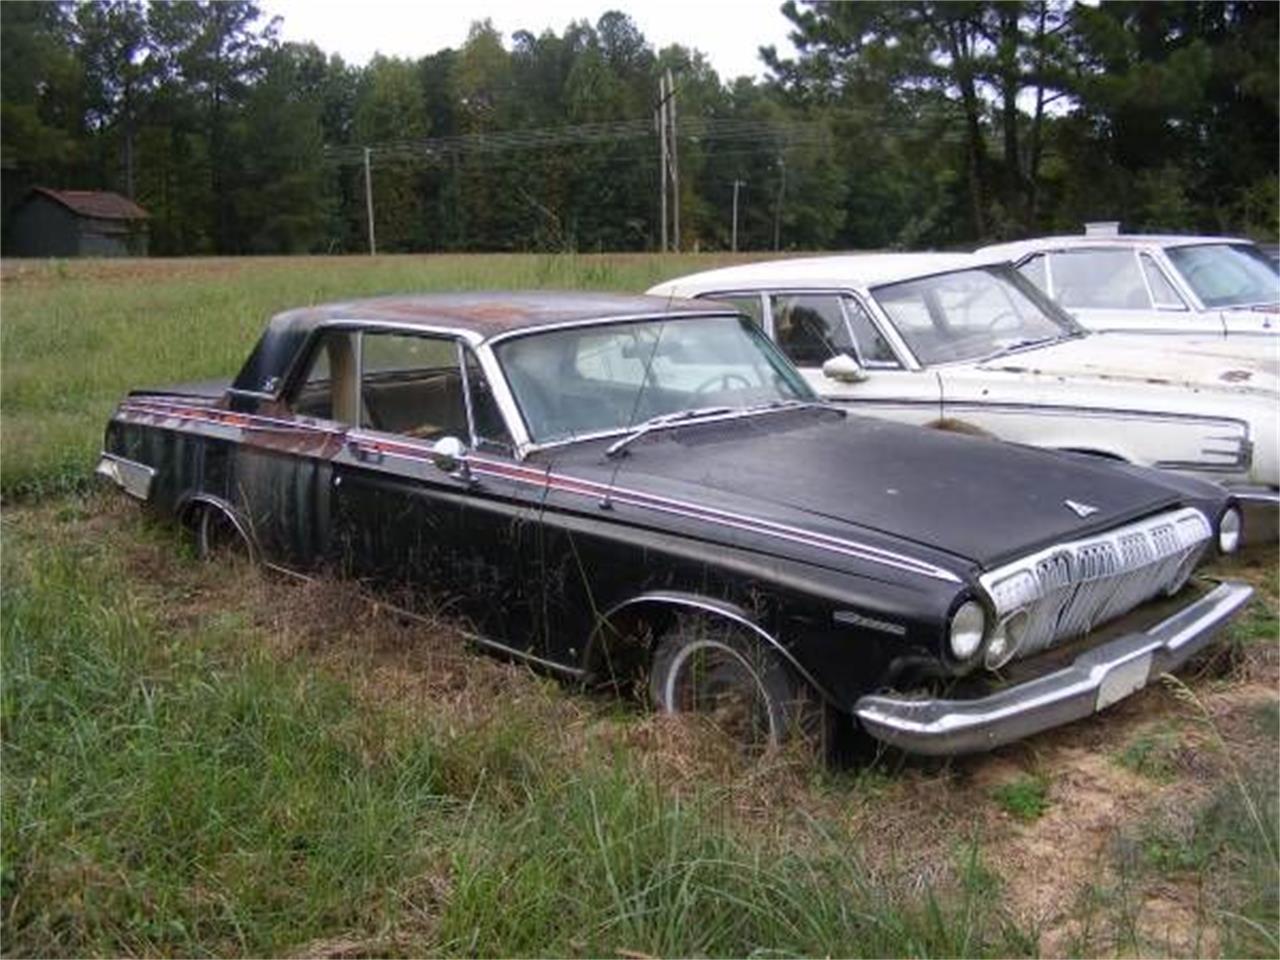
(665, 420)
(1029, 343)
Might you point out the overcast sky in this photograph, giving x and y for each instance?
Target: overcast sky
(729, 32)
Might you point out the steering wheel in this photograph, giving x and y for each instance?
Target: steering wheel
(725, 381)
(995, 322)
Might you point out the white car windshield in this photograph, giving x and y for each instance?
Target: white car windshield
(1227, 274)
(970, 314)
(601, 379)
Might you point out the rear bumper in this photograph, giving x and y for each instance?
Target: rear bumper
(1260, 507)
(1096, 679)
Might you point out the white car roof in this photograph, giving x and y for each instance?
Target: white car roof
(1020, 248)
(844, 271)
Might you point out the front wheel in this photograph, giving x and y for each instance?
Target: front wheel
(742, 686)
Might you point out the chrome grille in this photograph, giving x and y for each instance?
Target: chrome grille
(1067, 590)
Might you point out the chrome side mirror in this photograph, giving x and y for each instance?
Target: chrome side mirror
(844, 368)
(450, 456)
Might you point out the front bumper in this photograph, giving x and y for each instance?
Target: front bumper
(1096, 679)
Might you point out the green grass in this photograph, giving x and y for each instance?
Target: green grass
(1153, 753)
(77, 335)
(1026, 798)
(171, 787)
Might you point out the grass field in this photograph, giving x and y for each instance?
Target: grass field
(209, 759)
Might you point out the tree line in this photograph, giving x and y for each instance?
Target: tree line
(895, 125)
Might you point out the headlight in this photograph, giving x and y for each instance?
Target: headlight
(967, 627)
(1229, 531)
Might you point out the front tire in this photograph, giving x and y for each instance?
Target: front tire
(741, 685)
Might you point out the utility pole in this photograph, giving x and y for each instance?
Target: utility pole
(661, 120)
(675, 164)
(368, 199)
(777, 207)
(736, 184)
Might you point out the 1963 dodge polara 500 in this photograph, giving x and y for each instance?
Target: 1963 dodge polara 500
(630, 487)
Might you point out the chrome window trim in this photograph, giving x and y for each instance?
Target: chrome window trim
(1145, 255)
(605, 321)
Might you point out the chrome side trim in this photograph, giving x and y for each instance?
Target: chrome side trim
(542, 477)
(132, 477)
(719, 608)
(1095, 680)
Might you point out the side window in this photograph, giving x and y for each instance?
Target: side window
(1099, 279)
(491, 430)
(809, 328)
(328, 387)
(873, 348)
(1162, 291)
(412, 385)
(1034, 270)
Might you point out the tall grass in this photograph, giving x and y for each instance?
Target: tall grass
(77, 335)
(175, 790)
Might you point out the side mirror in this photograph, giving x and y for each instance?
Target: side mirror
(844, 368)
(450, 456)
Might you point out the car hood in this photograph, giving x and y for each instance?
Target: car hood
(1204, 364)
(969, 497)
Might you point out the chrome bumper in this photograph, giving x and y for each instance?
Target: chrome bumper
(1260, 507)
(133, 478)
(1096, 679)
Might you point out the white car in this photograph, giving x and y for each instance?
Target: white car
(1149, 283)
(950, 341)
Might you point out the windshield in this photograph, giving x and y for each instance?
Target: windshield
(971, 314)
(1227, 274)
(607, 378)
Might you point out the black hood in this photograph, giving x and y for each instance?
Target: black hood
(982, 500)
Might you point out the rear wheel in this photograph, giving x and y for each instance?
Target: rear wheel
(741, 685)
(217, 536)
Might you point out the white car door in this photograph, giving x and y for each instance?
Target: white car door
(811, 327)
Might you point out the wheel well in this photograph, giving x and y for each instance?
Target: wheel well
(196, 506)
(619, 649)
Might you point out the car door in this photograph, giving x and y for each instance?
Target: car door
(812, 326)
(435, 529)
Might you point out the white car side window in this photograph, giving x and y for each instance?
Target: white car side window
(1099, 279)
(1034, 270)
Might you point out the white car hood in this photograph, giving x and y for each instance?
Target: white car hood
(1205, 365)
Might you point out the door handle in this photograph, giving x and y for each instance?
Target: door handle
(365, 453)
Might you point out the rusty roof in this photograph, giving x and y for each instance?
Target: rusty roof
(97, 204)
(488, 314)
(476, 315)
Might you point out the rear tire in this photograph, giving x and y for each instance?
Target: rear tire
(747, 691)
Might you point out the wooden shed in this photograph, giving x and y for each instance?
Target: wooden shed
(77, 223)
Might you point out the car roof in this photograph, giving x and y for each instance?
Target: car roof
(476, 316)
(843, 270)
(1019, 248)
(486, 313)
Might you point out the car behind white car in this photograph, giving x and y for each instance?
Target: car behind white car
(950, 341)
(1155, 283)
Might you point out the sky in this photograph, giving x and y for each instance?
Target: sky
(729, 32)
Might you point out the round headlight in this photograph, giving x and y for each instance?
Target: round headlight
(1229, 531)
(967, 626)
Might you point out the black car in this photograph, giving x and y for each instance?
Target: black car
(626, 489)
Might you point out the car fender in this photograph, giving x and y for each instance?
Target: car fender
(675, 601)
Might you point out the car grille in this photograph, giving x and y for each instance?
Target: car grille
(1065, 591)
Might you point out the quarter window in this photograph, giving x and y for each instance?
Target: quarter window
(873, 348)
(328, 387)
(1162, 291)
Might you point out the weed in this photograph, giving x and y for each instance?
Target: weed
(1026, 798)
(1154, 753)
